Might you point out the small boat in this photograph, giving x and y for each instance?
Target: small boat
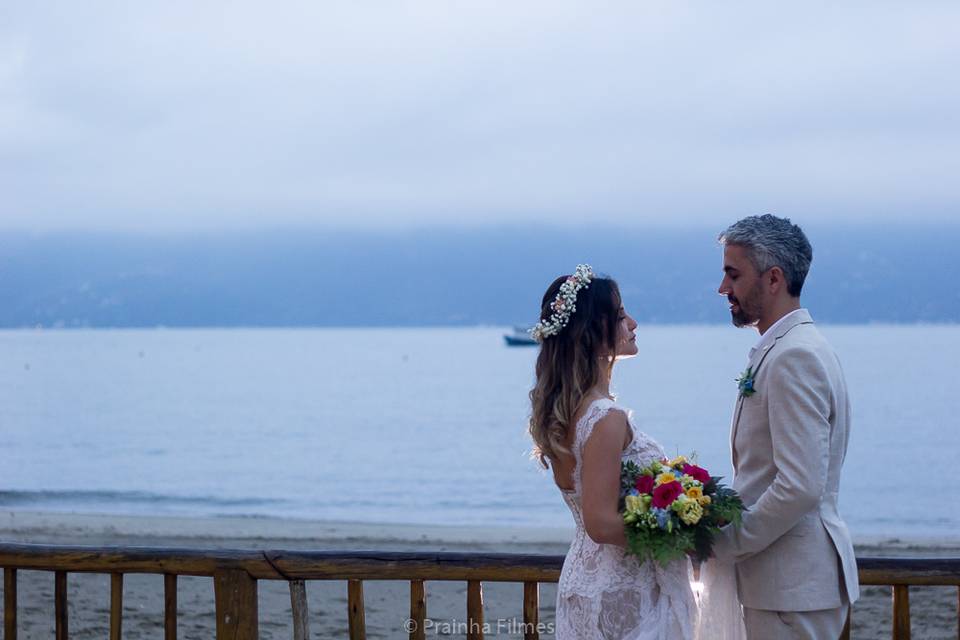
(520, 338)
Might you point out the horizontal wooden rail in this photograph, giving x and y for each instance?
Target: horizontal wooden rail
(286, 565)
(360, 565)
(184, 562)
(911, 571)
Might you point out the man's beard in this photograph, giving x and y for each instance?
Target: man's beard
(748, 310)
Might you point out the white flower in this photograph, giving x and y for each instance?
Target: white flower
(564, 305)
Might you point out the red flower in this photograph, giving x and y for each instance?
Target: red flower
(665, 494)
(697, 473)
(644, 484)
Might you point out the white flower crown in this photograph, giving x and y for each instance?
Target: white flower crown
(564, 305)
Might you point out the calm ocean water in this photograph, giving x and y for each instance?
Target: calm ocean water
(420, 425)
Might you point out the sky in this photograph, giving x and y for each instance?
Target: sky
(192, 115)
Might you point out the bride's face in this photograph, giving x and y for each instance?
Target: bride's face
(626, 335)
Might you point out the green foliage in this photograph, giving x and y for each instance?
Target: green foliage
(660, 545)
(628, 473)
(727, 506)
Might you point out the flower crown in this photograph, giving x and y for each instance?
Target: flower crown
(564, 305)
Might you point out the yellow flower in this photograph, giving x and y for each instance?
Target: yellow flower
(635, 504)
(665, 477)
(695, 493)
(704, 500)
(691, 512)
(676, 462)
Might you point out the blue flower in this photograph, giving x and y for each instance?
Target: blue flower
(745, 383)
(662, 516)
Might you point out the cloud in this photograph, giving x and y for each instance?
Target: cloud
(182, 115)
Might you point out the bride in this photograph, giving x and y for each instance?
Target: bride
(582, 434)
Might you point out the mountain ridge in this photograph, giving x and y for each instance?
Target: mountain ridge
(444, 277)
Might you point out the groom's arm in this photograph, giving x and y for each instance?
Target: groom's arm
(798, 396)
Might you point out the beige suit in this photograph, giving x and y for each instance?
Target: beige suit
(789, 439)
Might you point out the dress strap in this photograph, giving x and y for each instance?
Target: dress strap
(594, 413)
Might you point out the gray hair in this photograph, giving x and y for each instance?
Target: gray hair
(773, 242)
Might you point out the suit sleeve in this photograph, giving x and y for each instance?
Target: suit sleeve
(799, 403)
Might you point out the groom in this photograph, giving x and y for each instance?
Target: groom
(796, 571)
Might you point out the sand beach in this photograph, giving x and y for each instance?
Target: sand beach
(934, 609)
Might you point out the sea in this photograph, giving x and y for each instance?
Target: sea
(423, 426)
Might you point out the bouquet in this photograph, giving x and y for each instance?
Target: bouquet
(673, 507)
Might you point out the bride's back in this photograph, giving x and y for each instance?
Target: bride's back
(563, 463)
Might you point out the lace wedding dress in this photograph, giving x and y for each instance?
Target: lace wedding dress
(605, 593)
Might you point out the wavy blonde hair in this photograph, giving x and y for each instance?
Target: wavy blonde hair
(570, 363)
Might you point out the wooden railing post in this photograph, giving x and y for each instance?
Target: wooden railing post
(116, 605)
(355, 611)
(531, 610)
(474, 610)
(298, 605)
(60, 605)
(10, 604)
(418, 610)
(169, 606)
(901, 612)
(235, 593)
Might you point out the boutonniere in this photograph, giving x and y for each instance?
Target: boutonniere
(745, 383)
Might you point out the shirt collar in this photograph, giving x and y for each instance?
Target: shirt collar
(769, 335)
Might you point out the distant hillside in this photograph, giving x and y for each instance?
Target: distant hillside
(443, 277)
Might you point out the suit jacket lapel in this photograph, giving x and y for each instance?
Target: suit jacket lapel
(754, 366)
(802, 317)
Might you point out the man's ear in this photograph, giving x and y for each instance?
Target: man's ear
(776, 280)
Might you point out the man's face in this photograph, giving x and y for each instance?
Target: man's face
(742, 285)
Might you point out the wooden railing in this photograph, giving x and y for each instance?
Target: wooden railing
(236, 574)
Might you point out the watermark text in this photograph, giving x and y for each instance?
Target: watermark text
(510, 626)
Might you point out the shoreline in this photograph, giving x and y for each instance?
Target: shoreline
(23, 525)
